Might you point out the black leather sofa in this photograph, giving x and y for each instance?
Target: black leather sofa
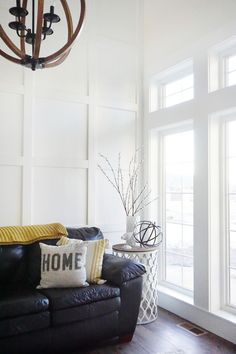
(67, 319)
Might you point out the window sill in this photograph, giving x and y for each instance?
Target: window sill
(231, 317)
(175, 294)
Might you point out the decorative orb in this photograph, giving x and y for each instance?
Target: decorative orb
(147, 234)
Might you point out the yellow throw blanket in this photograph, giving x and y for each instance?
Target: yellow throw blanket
(29, 234)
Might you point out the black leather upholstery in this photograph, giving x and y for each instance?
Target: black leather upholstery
(13, 264)
(21, 301)
(85, 233)
(63, 320)
(24, 324)
(85, 312)
(70, 297)
(120, 270)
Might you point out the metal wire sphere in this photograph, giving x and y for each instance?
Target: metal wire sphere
(147, 234)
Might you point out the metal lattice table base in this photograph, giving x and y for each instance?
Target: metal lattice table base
(148, 308)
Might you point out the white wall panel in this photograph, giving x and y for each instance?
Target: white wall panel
(59, 194)
(10, 195)
(11, 115)
(109, 210)
(60, 129)
(117, 19)
(115, 133)
(116, 72)
(70, 76)
(10, 73)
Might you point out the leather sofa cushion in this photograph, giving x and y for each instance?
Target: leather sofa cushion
(24, 324)
(17, 302)
(63, 298)
(85, 312)
(85, 233)
(12, 264)
(120, 270)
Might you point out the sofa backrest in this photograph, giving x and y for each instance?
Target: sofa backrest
(20, 264)
(85, 233)
(34, 259)
(13, 265)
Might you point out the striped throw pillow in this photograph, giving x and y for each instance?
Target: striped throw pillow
(94, 258)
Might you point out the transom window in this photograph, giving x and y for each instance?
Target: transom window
(230, 70)
(178, 91)
(172, 86)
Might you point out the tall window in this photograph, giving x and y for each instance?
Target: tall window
(230, 212)
(178, 164)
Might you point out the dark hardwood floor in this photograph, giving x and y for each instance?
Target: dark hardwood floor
(164, 337)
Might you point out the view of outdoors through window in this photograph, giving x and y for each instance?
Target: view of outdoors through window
(231, 209)
(230, 71)
(178, 91)
(178, 195)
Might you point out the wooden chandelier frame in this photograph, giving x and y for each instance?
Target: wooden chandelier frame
(52, 60)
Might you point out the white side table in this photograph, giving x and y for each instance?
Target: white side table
(148, 257)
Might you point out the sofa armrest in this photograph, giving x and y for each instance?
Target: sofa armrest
(120, 270)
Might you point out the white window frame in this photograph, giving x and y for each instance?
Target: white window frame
(183, 127)
(219, 257)
(225, 256)
(217, 62)
(158, 83)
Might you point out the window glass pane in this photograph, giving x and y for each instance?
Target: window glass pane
(187, 95)
(178, 91)
(187, 178)
(172, 87)
(173, 100)
(173, 179)
(232, 63)
(174, 207)
(178, 186)
(232, 174)
(174, 268)
(187, 82)
(188, 240)
(232, 249)
(187, 209)
(174, 237)
(231, 139)
(230, 220)
(179, 148)
(232, 212)
(233, 287)
(231, 78)
(188, 272)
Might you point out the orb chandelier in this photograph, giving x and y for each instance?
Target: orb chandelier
(41, 26)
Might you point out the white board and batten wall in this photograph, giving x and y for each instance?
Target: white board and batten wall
(54, 123)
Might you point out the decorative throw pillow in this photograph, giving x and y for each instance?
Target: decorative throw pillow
(63, 267)
(94, 258)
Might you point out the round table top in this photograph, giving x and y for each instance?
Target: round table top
(120, 247)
